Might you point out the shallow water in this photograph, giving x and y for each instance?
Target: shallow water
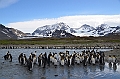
(13, 70)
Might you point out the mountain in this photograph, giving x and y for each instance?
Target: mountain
(9, 33)
(84, 30)
(18, 32)
(100, 30)
(61, 34)
(48, 30)
(117, 29)
(105, 29)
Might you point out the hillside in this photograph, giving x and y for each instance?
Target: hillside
(9, 33)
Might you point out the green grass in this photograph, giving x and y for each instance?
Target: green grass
(60, 41)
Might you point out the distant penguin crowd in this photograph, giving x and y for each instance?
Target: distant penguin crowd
(85, 58)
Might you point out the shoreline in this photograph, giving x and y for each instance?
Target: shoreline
(64, 46)
(114, 46)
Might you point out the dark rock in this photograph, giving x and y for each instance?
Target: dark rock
(56, 75)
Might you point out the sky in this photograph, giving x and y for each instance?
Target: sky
(28, 15)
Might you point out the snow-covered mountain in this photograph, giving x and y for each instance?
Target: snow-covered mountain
(84, 30)
(48, 30)
(61, 34)
(104, 29)
(9, 33)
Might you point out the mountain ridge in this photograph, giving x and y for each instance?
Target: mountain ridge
(84, 30)
(61, 30)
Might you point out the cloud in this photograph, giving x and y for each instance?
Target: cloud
(5, 3)
(72, 21)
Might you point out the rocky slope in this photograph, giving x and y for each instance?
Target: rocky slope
(9, 33)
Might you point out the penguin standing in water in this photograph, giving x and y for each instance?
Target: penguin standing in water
(30, 57)
(110, 59)
(34, 58)
(114, 62)
(39, 64)
(40, 60)
(25, 59)
(69, 61)
(62, 62)
(97, 57)
(22, 59)
(93, 60)
(55, 62)
(114, 59)
(78, 59)
(85, 61)
(89, 59)
(29, 64)
(7, 56)
(101, 60)
(10, 58)
(73, 59)
(44, 58)
(48, 60)
(81, 58)
(19, 57)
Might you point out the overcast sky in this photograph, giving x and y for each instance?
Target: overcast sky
(27, 15)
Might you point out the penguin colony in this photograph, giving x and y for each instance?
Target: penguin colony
(87, 57)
